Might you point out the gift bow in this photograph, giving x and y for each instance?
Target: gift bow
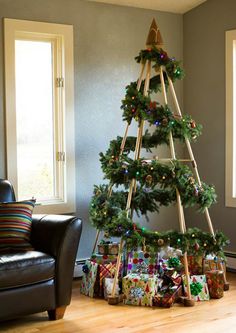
(195, 288)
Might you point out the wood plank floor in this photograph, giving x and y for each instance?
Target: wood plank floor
(86, 315)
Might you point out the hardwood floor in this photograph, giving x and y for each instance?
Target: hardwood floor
(86, 315)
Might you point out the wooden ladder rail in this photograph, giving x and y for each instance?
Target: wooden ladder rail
(122, 146)
(113, 299)
(189, 301)
(195, 169)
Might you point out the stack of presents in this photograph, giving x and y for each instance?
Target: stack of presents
(147, 278)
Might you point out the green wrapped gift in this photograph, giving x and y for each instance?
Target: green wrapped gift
(139, 289)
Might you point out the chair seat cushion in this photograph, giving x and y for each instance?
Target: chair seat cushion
(24, 268)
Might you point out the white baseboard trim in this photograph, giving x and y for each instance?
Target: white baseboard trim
(231, 261)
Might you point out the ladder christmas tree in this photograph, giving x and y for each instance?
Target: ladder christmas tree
(141, 185)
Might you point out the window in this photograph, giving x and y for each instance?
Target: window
(230, 187)
(40, 114)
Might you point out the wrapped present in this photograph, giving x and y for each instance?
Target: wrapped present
(211, 263)
(90, 273)
(139, 289)
(142, 262)
(169, 266)
(105, 270)
(103, 258)
(108, 286)
(198, 287)
(108, 271)
(172, 278)
(194, 264)
(215, 282)
(108, 247)
(167, 296)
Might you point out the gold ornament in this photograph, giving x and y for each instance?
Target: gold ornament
(148, 179)
(160, 242)
(164, 121)
(191, 180)
(106, 234)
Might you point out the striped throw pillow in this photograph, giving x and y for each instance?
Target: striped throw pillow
(15, 225)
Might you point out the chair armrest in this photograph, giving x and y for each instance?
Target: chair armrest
(58, 235)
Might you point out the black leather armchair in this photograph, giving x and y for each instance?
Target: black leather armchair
(39, 280)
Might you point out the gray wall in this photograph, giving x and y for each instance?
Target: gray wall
(106, 39)
(204, 98)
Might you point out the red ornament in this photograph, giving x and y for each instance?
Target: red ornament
(196, 246)
(134, 226)
(193, 124)
(163, 55)
(133, 110)
(149, 49)
(153, 105)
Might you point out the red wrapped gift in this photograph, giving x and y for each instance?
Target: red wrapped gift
(215, 282)
(167, 296)
(194, 264)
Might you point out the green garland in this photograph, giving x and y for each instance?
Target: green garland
(139, 107)
(193, 241)
(166, 176)
(160, 58)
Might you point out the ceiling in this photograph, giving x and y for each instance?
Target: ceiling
(173, 6)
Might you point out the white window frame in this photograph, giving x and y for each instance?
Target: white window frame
(62, 35)
(230, 162)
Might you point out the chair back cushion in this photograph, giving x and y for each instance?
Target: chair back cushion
(6, 191)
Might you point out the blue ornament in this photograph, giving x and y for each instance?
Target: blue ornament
(85, 269)
(127, 233)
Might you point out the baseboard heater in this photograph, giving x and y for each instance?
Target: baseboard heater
(231, 261)
(78, 268)
(230, 264)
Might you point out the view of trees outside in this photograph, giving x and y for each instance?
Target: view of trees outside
(34, 110)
